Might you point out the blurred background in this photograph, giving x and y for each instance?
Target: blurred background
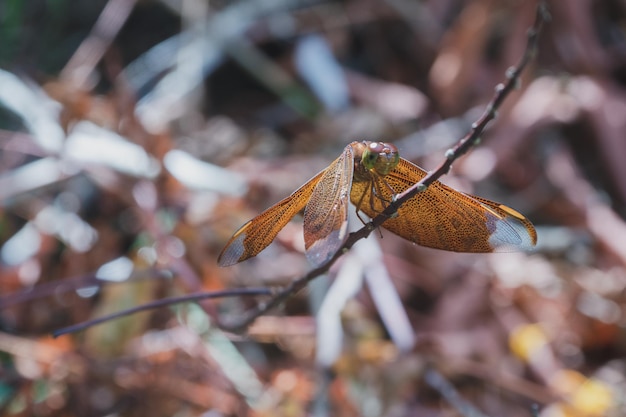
(137, 136)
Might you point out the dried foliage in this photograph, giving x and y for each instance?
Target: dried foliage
(137, 136)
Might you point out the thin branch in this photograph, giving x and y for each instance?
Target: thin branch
(464, 145)
(161, 303)
(473, 137)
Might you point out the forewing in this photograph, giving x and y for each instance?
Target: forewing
(326, 214)
(259, 232)
(443, 218)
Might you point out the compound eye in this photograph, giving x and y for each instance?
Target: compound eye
(380, 157)
(369, 157)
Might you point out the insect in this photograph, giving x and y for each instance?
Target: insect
(369, 174)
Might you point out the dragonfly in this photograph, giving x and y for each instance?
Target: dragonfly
(369, 175)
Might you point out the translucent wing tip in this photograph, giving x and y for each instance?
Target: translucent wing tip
(233, 252)
(323, 250)
(511, 234)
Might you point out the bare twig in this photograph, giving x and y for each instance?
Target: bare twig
(464, 145)
(161, 303)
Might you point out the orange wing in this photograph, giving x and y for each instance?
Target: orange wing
(326, 214)
(444, 218)
(259, 232)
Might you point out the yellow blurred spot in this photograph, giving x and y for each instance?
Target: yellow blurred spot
(587, 397)
(376, 351)
(527, 339)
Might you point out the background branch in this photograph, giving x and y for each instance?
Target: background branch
(240, 292)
